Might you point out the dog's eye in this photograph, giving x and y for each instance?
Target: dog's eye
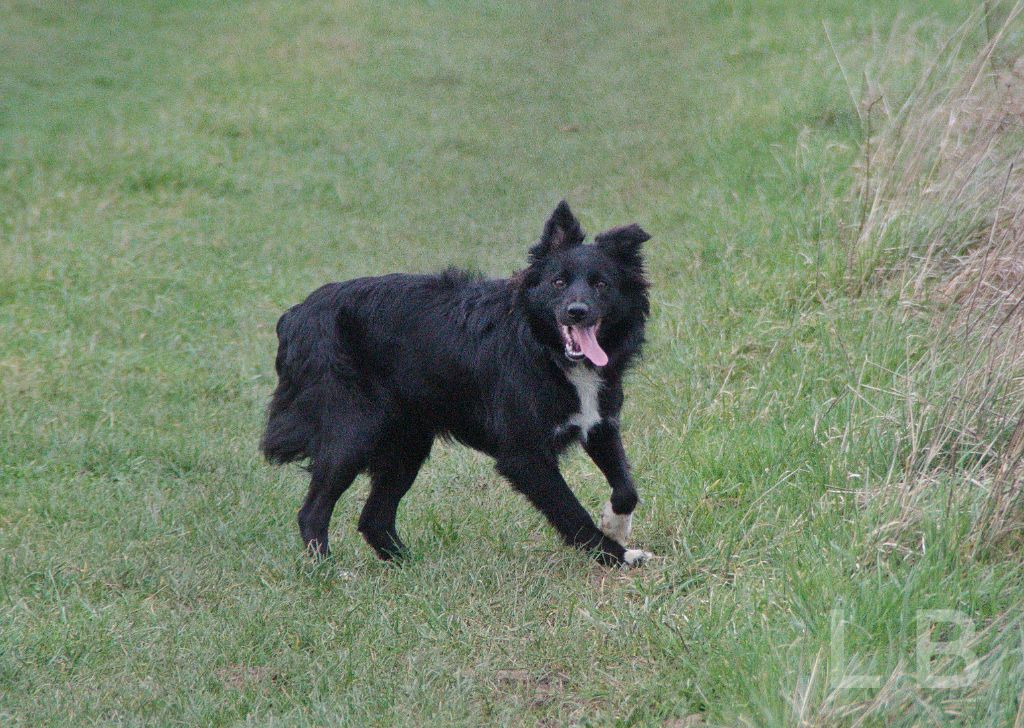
(558, 283)
(600, 285)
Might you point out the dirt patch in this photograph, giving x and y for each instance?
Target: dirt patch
(239, 677)
(542, 688)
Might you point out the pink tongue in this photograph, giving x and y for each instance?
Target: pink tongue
(587, 339)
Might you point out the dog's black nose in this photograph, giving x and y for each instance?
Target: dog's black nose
(577, 311)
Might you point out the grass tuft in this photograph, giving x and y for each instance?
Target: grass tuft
(939, 200)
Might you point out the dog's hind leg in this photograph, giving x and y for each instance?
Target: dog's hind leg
(329, 480)
(392, 472)
(339, 460)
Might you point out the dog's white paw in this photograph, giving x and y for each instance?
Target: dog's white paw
(635, 557)
(616, 526)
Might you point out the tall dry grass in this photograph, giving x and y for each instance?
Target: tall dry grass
(937, 220)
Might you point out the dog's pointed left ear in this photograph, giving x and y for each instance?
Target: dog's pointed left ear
(623, 242)
(561, 232)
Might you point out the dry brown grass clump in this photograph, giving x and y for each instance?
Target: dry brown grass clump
(939, 200)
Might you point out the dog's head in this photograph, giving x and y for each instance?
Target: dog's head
(583, 299)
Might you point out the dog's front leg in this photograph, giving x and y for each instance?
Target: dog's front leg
(538, 478)
(604, 445)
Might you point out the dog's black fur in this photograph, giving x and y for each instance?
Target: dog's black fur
(372, 370)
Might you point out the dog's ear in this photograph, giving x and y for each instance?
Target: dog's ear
(623, 242)
(561, 232)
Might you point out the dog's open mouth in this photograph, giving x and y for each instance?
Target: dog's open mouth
(581, 342)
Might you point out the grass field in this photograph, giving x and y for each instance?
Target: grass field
(173, 175)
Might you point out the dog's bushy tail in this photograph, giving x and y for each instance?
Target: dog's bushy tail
(290, 432)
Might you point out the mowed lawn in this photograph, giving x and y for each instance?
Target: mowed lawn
(174, 175)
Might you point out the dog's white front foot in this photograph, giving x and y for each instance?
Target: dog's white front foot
(616, 526)
(635, 557)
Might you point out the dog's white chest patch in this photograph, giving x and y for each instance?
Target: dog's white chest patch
(588, 384)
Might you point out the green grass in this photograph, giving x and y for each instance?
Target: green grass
(173, 175)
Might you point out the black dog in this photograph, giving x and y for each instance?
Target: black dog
(371, 370)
